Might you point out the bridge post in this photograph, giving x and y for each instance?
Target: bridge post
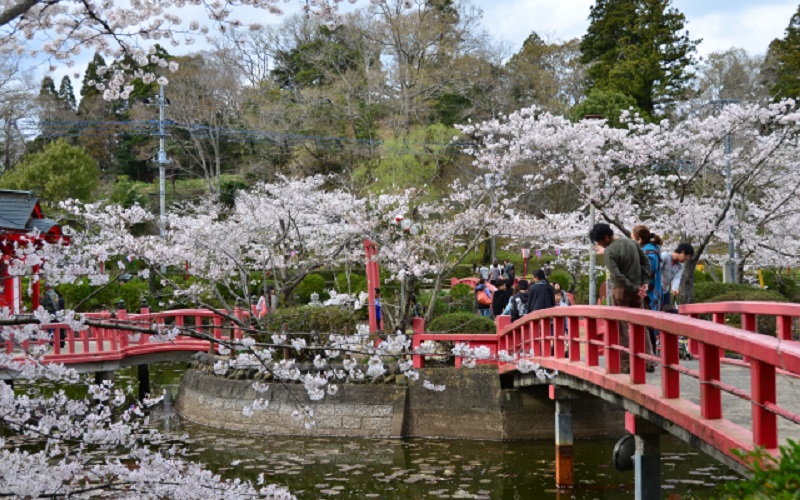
(647, 460)
(100, 377)
(144, 380)
(565, 477)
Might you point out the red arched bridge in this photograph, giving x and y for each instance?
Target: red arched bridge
(739, 392)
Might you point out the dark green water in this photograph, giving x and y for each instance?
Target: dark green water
(315, 468)
(426, 468)
(433, 468)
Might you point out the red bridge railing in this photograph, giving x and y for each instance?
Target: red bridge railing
(108, 342)
(748, 312)
(533, 337)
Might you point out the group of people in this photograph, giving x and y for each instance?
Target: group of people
(640, 275)
(517, 298)
(496, 272)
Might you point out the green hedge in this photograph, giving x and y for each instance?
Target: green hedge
(310, 284)
(308, 319)
(358, 283)
(462, 297)
(710, 291)
(131, 293)
(462, 322)
(766, 324)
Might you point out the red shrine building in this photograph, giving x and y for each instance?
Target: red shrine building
(22, 223)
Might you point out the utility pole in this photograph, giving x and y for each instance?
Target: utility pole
(731, 228)
(592, 252)
(162, 168)
(730, 275)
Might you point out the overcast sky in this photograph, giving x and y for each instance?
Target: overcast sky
(749, 24)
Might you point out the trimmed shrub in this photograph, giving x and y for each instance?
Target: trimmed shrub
(131, 293)
(462, 322)
(709, 291)
(462, 271)
(358, 283)
(461, 292)
(441, 307)
(785, 285)
(312, 319)
(310, 284)
(766, 324)
(561, 277)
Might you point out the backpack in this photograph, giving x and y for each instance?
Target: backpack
(483, 298)
(522, 305)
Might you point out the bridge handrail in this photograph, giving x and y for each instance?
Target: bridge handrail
(759, 347)
(783, 313)
(743, 307)
(765, 353)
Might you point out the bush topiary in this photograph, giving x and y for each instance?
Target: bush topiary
(462, 322)
(561, 277)
(766, 324)
(462, 271)
(312, 319)
(131, 293)
(441, 307)
(310, 284)
(356, 285)
(709, 291)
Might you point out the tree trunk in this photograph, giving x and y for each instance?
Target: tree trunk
(436, 289)
(687, 281)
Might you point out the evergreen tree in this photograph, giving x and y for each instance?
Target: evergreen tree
(782, 65)
(639, 48)
(92, 76)
(66, 94)
(48, 88)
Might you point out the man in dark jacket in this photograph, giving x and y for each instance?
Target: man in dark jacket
(629, 271)
(541, 294)
(500, 297)
(519, 302)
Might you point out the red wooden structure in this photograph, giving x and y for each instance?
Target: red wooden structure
(373, 282)
(22, 223)
(577, 350)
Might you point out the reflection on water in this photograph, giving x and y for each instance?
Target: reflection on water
(315, 468)
(428, 468)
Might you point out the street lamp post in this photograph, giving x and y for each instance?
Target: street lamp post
(730, 276)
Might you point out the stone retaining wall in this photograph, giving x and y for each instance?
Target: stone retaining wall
(473, 406)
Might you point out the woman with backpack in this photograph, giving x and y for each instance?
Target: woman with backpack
(483, 300)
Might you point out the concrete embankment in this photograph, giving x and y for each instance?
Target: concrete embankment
(474, 405)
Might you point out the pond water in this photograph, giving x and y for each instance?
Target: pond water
(434, 468)
(315, 468)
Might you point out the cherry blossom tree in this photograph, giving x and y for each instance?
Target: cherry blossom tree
(676, 177)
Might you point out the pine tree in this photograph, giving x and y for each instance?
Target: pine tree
(48, 88)
(66, 94)
(782, 65)
(91, 76)
(639, 48)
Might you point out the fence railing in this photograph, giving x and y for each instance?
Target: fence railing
(533, 336)
(117, 338)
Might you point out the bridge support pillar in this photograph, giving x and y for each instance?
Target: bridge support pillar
(565, 477)
(647, 460)
(100, 377)
(144, 381)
